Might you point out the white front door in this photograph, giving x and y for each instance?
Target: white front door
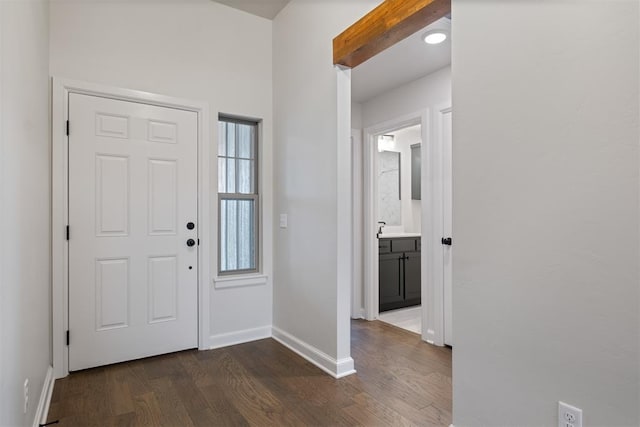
(133, 289)
(447, 198)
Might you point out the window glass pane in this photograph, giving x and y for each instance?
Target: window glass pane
(238, 235)
(231, 176)
(245, 141)
(246, 181)
(231, 139)
(222, 138)
(230, 235)
(246, 235)
(222, 175)
(223, 242)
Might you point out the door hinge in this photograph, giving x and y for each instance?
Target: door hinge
(67, 232)
(67, 127)
(67, 337)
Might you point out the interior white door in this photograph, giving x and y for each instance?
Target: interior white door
(447, 173)
(133, 289)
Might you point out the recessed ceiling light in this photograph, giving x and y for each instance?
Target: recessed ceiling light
(434, 37)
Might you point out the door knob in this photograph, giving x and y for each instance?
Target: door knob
(191, 242)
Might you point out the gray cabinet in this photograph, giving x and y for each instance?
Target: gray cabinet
(399, 273)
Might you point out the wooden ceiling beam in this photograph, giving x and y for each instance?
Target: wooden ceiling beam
(386, 25)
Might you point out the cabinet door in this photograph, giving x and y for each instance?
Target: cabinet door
(390, 281)
(412, 277)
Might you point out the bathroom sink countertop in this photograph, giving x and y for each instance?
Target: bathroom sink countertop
(397, 235)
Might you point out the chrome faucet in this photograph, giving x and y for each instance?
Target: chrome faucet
(381, 224)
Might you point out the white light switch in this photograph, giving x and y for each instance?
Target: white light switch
(283, 220)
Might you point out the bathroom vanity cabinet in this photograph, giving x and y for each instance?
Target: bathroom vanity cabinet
(399, 272)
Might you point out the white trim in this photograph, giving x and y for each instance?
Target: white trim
(447, 206)
(60, 113)
(433, 325)
(225, 282)
(432, 232)
(239, 337)
(45, 398)
(335, 368)
(430, 336)
(357, 282)
(344, 220)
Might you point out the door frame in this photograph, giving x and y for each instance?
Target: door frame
(61, 89)
(447, 156)
(432, 254)
(357, 261)
(371, 208)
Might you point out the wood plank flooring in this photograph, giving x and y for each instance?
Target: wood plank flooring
(401, 381)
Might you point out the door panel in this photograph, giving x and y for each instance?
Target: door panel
(132, 190)
(412, 280)
(163, 200)
(112, 284)
(390, 279)
(112, 195)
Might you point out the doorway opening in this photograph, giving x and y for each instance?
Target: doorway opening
(401, 110)
(398, 196)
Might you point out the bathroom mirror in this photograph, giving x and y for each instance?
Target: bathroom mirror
(389, 205)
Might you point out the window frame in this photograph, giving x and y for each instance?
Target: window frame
(255, 197)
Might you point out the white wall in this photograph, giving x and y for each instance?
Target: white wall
(305, 110)
(356, 115)
(426, 92)
(25, 296)
(546, 212)
(194, 49)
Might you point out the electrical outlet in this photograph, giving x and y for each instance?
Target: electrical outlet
(284, 220)
(569, 416)
(26, 395)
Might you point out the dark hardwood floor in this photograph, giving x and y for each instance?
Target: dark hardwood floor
(400, 381)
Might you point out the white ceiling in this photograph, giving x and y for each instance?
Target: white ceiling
(265, 8)
(402, 63)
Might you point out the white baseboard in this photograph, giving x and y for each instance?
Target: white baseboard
(359, 314)
(431, 336)
(239, 337)
(45, 398)
(335, 368)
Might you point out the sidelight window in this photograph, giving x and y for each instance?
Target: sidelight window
(238, 197)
